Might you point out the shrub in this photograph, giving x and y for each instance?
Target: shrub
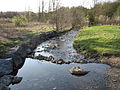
(19, 20)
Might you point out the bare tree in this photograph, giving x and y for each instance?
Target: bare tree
(28, 14)
(78, 16)
(42, 16)
(56, 6)
(53, 3)
(39, 9)
(95, 2)
(64, 18)
(42, 6)
(50, 6)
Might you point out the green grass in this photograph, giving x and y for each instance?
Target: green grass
(10, 35)
(98, 40)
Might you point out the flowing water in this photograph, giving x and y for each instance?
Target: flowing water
(43, 75)
(63, 47)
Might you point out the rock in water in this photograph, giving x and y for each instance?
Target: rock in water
(41, 57)
(16, 80)
(50, 58)
(78, 71)
(6, 80)
(3, 87)
(6, 67)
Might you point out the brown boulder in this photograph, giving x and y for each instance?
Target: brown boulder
(78, 71)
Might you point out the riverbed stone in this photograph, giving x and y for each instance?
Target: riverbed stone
(51, 58)
(60, 61)
(78, 71)
(16, 80)
(6, 67)
(78, 61)
(41, 57)
(23, 51)
(53, 46)
(6, 80)
(83, 61)
(68, 62)
(20, 55)
(53, 61)
(18, 61)
(3, 87)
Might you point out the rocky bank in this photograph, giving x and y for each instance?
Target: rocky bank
(11, 62)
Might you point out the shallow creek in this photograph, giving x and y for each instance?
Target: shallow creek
(43, 75)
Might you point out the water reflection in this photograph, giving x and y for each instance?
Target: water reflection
(41, 75)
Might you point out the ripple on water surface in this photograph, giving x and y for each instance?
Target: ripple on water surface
(60, 47)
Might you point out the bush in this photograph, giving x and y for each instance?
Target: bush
(19, 21)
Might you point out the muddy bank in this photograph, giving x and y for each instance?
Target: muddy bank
(112, 60)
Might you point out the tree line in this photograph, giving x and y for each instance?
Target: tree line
(64, 17)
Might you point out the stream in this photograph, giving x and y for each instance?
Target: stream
(44, 75)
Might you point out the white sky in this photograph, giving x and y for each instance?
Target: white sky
(22, 5)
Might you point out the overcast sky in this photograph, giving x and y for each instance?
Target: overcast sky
(22, 5)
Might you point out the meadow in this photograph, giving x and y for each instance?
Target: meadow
(98, 40)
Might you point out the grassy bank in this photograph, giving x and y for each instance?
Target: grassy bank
(98, 40)
(11, 35)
